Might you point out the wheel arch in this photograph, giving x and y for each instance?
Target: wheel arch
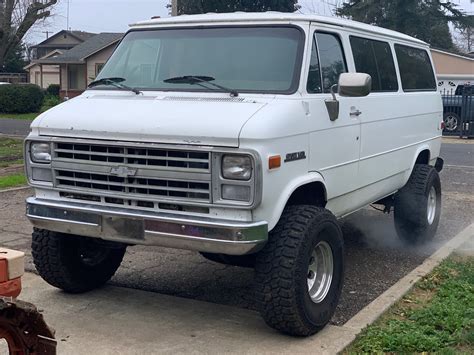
(308, 189)
(423, 155)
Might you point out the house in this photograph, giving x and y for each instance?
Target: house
(452, 69)
(49, 48)
(44, 76)
(80, 65)
(63, 41)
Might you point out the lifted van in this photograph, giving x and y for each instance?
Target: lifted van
(244, 137)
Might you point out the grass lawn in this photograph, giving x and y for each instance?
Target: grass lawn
(24, 116)
(436, 316)
(11, 155)
(19, 116)
(12, 181)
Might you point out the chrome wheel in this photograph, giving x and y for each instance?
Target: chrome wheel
(451, 122)
(320, 272)
(431, 208)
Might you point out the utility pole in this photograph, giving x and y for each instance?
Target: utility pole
(47, 33)
(67, 17)
(174, 7)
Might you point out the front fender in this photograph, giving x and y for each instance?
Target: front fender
(276, 211)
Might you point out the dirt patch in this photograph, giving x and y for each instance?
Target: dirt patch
(12, 170)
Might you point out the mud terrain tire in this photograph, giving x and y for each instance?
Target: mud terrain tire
(72, 263)
(418, 206)
(283, 271)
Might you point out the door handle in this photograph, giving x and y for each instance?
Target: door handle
(356, 113)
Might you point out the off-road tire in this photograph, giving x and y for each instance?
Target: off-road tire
(411, 206)
(233, 260)
(282, 270)
(58, 261)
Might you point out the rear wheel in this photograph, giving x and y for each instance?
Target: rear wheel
(72, 263)
(418, 205)
(300, 272)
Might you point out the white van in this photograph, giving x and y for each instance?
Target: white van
(244, 137)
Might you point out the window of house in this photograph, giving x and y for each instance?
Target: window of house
(416, 70)
(98, 68)
(375, 58)
(326, 67)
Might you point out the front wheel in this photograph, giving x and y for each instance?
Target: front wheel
(72, 263)
(300, 272)
(418, 206)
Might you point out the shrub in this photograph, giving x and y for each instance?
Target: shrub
(53, 90)
(51, 101)
(20, 98)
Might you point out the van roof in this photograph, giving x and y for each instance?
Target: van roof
(273, 16)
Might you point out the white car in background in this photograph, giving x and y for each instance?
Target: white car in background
(244, 137)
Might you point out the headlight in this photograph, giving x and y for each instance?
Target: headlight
(40, 152)
(236, 167)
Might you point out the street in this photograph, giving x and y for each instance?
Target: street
(375, 259)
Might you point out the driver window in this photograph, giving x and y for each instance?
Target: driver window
(325, 69)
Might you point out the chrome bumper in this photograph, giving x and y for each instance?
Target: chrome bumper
(146, 228)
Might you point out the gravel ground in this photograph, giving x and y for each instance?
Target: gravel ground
(375, 259)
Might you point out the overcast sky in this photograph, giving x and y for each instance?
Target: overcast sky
(115, 15)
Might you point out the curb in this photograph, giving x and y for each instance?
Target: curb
(381, 304)
(15, 189)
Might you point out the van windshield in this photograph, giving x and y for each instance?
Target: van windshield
(265, 59)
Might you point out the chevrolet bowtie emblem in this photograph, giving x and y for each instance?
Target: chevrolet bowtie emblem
(123, 171)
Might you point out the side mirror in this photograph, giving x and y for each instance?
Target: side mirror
(354, 84)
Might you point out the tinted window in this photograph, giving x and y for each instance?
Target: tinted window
(415, 69)
(375, 58)
(331, 62)
(314, 76)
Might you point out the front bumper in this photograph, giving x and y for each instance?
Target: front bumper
(147, 228)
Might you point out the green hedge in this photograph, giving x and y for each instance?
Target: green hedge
(53, 90)
(20, 98)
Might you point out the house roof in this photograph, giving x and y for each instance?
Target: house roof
(79, 35)
(271, 16)
(79, 53)
(52, 54)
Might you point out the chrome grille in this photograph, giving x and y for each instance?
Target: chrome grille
(132, 175)
(139, 156)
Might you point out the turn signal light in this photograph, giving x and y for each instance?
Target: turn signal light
(274, 162)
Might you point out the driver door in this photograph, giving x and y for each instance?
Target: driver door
(334, 145)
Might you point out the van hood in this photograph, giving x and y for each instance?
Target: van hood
(211, 120)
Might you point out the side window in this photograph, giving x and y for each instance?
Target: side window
(415, 69)
(325, 70)
(375, 58)
(314, 77)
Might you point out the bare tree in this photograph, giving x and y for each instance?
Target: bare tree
(16, 18)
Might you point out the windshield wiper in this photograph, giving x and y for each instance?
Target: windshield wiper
(117, 82)
(200, 80)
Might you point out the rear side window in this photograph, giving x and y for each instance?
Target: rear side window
(415, 69)
(327, 62)
(375, 58)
